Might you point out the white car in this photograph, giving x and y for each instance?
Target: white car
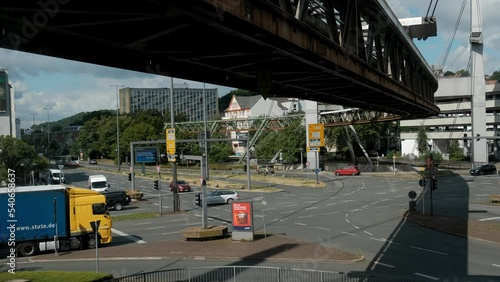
(222, 197)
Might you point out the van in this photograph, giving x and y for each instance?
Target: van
(98, 183)
(53, 176)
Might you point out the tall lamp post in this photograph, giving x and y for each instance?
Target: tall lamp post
(117, 124)
(34, 139)
(301, 159)
(48, 129)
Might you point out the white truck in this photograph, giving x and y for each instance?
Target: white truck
(98, 183)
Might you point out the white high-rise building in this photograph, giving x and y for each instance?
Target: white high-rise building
(8, 123)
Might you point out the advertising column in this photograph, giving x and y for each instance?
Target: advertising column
(242, 215)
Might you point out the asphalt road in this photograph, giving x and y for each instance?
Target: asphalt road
(359, 214)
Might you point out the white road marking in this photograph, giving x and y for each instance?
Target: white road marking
(322, 228)
(143, 223)
(130, 237)
(332, 212)
(489, 218)
(426, 276)
(193, 223)
(497, 265)
(355, 226)
(374, 203)
(311, 202)
(364, 207)
(305, 216)
(311, 208)
(158, 227)
(379, 207)
(368, 233)
(291, 205)
(389, 241)
(301, 224)
(347, 220)
(427, 250)
(287, 212)
(384, 264)
(169, 233)
(349, 233)
(332, 204)
(174, 220)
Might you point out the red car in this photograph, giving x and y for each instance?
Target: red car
(349, 170)
(182, 186)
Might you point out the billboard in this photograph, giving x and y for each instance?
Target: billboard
(146, 155)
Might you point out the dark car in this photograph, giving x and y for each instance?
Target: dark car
(117, 199)
(182, 186)
(484, 169)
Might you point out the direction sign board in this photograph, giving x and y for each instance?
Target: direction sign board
(170, 135)
(316, 135)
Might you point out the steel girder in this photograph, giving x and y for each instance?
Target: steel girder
(346, 52)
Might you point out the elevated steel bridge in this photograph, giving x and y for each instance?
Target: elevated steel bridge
(350, 53)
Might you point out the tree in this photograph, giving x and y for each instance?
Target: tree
(463, 73)
(422, 139)
(495, 75)
(20, 157)
(456, 153)
(448, 73)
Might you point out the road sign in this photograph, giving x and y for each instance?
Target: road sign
(308, 164)
(317, 170)
(312, 149)
(158, 168)
(170, 134)
(316, 135)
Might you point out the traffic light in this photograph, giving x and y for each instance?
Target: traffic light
(434, 183)
(130, 177)
(422, 182)
(156, 184)
(197, 199)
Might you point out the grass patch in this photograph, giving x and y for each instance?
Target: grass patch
(141, 215)
(50, 276)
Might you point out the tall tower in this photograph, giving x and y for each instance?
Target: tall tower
(479, 148)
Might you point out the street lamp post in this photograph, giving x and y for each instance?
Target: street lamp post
(48, 128)
(34, 139)
(301, 159)
(117, 125)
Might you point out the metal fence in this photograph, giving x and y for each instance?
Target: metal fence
(251, 274)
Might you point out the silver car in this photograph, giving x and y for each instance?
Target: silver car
(222, 197)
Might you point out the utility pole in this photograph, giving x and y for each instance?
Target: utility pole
(174, 165)
(34, 139)
(48, 129)
(117, 124)
(205, 134)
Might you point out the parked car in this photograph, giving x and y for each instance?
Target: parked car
(265, 169)
(117, 199)
(222, 197)
(93, 162)
(182, 186)
(484, 169)
(349, 170)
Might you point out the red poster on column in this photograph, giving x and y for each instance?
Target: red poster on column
(242, 216)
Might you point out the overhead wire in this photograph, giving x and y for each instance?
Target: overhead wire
(452, 37)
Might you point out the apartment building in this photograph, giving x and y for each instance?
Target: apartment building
(454, 122)
(187, 101)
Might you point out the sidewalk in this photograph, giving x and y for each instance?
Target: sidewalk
(272, 247)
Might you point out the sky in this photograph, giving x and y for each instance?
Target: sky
(70, 87)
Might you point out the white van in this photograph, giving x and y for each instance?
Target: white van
(98, 183)
(53, 176)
